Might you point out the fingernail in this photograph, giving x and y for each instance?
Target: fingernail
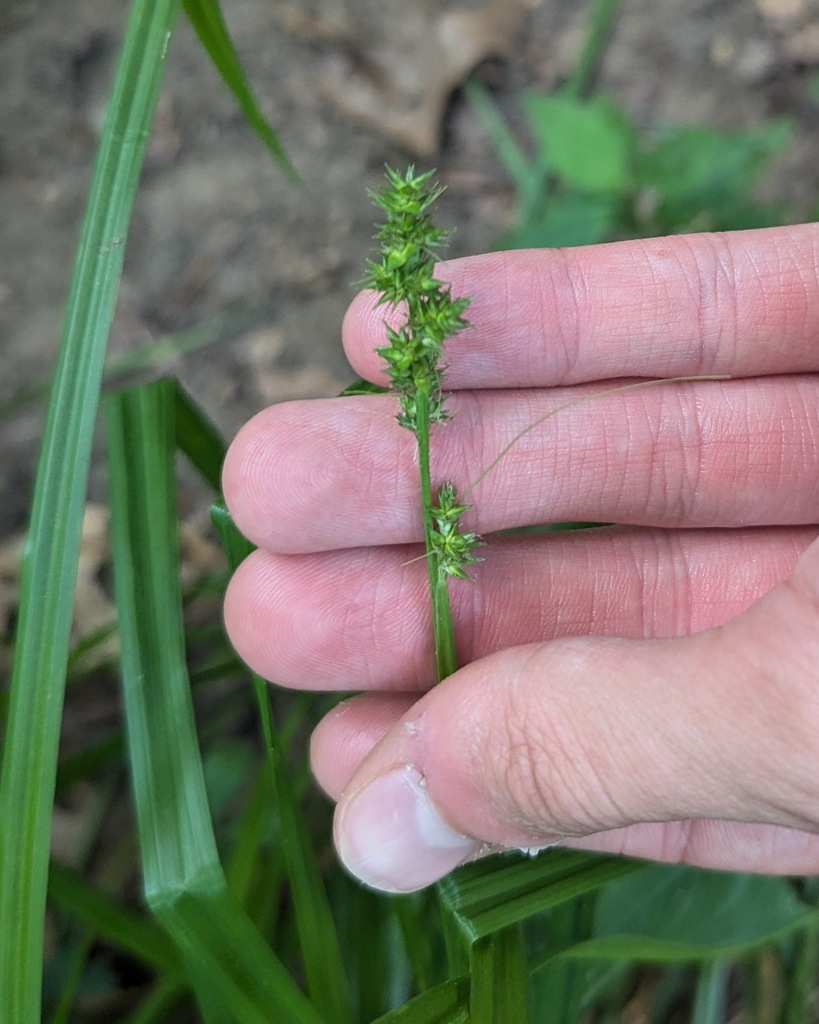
(392, 838)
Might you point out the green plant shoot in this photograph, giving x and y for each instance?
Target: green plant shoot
(403, 274)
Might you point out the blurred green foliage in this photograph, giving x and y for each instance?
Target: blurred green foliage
(592, 176)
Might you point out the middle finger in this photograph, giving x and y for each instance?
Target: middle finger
(313, 476)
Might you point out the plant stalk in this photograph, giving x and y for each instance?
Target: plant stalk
(446, 661)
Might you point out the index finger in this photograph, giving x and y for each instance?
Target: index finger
(742, 303)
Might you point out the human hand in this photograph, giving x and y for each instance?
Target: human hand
(650, 688)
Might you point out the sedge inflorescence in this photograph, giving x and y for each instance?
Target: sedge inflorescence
(409, 247)
(454, 549)
(409, 244)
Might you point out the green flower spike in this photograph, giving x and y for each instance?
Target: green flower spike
(409, 244)
(454, 550)
(408, 250)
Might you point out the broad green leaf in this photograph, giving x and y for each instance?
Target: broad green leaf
(49, 567)
(183, 880)
(680, 913)
(491, 894)
(589, 144)
(695, 171)
(447, 1003)
(568, 219)
(209, 24)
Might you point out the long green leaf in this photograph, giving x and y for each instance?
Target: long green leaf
(49, 567)
(492, 894)
(498, 974)
(198, 438)
(447, 1003)
(122, 928)
(525, 173)
(711, 994)
(149, 356)
(209, 24)
(556, 992)
(235, 975)
(598, 32)
(317, 932)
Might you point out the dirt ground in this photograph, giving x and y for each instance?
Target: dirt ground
(350, 85)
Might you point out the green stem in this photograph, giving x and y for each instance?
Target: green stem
(446, 660)
(711, 993)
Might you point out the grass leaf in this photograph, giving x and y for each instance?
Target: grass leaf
(711, 994)
(198, 438)
(49, 568)
(491, 894)
(235, 975)
(122, 928)
(498, 972)
(447, 1003)
(209, 24)
(317, 932)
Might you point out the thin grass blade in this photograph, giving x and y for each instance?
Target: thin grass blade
(516, 163)
(557, 991)
(235, 975)
(123, 929)
(49, 567)
(601, 23)
(209, 24)
(488, 895)
(317, 931)
(498, 973)
(711, 994)
(157, 1006)
(447, 1003)
(151, 356)
(198, 438)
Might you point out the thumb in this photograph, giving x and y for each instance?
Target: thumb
(557, 741)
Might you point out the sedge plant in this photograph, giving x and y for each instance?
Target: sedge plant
(403, 275)
(493, 910)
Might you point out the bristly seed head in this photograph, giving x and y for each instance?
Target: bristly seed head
(453, 550)
(408, 250)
